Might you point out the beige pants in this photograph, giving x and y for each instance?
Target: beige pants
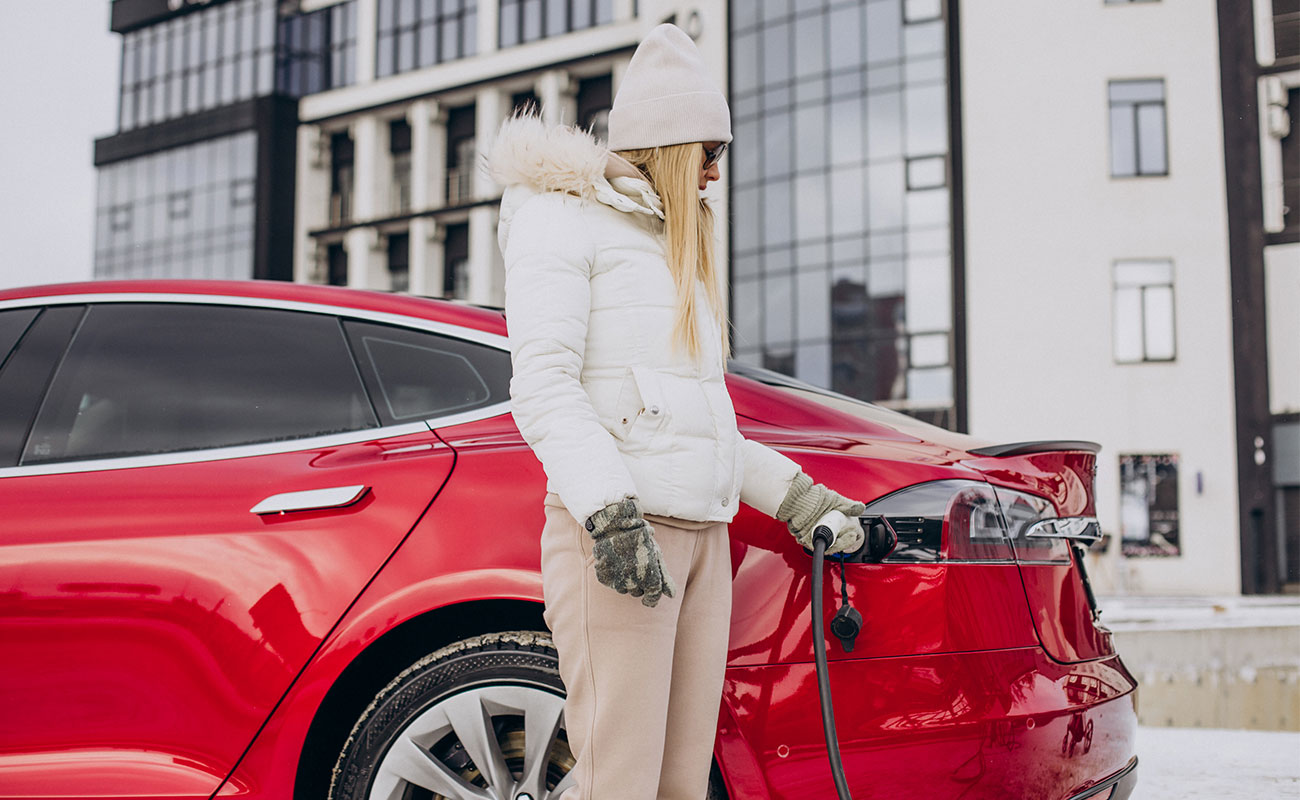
(643, 683)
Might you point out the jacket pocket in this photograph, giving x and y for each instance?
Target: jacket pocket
(640, 408)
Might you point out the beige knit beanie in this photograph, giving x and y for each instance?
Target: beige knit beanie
(666, 96)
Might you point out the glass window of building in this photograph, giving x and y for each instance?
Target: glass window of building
(1291, 168)
(455, 263)
(420, 33)
(399, 149)
(460, 155)
(841, 264)
(399, 261)
(1286, 33)
(595, 98)
(186, 212)
(205, 59)
(341, 177)
(336, 265)
(1137, 129)
(1144, 311)
(529, 20)
(317, 51)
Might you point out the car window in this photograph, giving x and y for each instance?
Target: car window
(13, 324)
(27, 372)
(156, 378)
(417, 375)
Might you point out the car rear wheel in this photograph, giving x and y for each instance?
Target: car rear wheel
(482, 718)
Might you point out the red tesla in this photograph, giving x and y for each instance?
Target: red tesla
(244, 553)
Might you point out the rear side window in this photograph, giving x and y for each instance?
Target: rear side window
(13, 324)
(416, 375)
(158, 378)
(26, 373)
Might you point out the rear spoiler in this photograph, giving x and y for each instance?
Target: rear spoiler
(1025, 448)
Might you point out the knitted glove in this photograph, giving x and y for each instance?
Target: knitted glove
(807, 502)
(628, 560)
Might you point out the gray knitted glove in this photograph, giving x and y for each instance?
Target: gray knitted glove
(628, 559)
(806, 502)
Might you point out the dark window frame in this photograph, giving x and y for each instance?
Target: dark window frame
(448, 27)
(317, 51)
(399, 261)
(594, 14)
(595, 98)
(455, 257)
(185, 64)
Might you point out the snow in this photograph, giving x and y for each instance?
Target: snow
(1177, 763)
(1129, 613)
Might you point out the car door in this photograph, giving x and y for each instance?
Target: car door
(205, 488)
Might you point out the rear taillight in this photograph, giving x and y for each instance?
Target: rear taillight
(953, 520)
(1024, 513)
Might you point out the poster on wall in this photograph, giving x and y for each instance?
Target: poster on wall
(1149, 505)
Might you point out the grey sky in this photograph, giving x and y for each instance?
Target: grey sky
(58, 92)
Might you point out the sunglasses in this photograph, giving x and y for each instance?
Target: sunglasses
(712, 157)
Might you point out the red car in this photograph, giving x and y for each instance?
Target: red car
(274, 541)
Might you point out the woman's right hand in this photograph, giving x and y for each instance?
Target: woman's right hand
(628, 559)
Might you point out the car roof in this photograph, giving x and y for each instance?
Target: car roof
(482, 318)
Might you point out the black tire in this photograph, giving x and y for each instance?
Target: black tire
(499, 669)
(495, 671)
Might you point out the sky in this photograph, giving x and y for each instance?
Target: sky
(58, 93)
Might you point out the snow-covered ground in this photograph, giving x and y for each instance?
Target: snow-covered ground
(1177, 763)
(1182, 613)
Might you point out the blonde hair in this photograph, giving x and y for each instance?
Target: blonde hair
(674, 172)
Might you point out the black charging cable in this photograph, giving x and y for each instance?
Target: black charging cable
(822, 538)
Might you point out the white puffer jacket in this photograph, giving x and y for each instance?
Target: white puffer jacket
(609, 407)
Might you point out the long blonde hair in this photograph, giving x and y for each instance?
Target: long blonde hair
(674, 172)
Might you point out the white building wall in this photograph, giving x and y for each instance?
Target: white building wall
(1044, 223)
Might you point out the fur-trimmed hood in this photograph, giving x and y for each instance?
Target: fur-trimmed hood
(529, 157)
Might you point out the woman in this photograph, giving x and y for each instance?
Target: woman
(615, 312)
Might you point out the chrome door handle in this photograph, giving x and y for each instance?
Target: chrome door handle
(311, 499)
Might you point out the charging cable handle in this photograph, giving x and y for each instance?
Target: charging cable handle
(824, 534)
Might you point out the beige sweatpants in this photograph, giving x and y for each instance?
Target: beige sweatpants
(643, 683)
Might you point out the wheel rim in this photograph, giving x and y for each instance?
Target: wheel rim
(487, 743)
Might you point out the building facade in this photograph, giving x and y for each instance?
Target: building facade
(842, 250)
(1273, 71)
(1116, 280)
(390, 191)
(1025, 222)
(198, 182)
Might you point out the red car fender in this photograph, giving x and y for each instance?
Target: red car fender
(269, 768)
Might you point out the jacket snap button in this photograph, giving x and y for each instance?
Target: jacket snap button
(654, 410)
(724, 501)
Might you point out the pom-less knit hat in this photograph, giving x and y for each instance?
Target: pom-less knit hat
(666, 96)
